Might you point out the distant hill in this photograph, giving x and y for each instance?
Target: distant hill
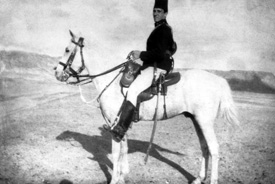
(24, 75)
(250, 81)
(24, 60)
(17, 64)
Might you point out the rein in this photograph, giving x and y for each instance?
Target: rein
(91, 77)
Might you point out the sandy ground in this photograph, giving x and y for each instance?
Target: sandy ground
(48, 135)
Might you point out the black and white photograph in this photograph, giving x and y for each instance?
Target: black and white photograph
(137, 92)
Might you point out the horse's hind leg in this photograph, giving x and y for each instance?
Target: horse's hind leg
(205, 154)
(207, 128)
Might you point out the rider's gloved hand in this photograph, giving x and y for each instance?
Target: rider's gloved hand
(134, 55)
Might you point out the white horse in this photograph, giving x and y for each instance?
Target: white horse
(200, 95)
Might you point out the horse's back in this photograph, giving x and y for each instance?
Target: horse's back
(198, 91)
(201, 82)
(201, 90)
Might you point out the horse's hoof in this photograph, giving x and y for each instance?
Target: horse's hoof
(214, 182)
(197, 181)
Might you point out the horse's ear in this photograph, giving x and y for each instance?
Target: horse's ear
(71, 33)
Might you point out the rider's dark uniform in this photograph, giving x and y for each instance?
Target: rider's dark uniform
(159, 46)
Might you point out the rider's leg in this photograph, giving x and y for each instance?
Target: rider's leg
(124, 122)
(142, 82)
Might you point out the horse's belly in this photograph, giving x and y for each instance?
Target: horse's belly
(172, 107)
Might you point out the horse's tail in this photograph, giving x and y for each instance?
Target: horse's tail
(227, 107)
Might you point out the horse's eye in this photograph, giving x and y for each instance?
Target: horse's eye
(67, 50)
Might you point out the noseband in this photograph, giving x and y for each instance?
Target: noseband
(68, 70)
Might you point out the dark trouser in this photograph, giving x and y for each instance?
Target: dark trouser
(124, 122)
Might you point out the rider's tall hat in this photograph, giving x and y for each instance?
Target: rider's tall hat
(163, 4)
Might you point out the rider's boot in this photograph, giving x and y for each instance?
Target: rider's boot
(124, 122)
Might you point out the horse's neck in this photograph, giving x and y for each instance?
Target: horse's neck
(111, 97)
(95, 66)
(102, 81)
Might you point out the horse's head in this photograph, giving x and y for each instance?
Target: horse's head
(66, 67)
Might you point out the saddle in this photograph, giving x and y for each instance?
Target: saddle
(132, 70)
(164, 81)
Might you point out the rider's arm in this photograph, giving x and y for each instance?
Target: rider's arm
(157, 46)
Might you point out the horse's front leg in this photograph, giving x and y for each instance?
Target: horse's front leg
(124, 157)
(120, 161)
(116, 150)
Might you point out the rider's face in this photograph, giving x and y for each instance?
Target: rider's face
(159, 14)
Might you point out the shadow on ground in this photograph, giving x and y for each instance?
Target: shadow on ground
(100, 147)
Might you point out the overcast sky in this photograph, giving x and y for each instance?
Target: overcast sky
(211, 34)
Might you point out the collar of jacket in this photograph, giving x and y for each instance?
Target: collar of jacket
(163, 21)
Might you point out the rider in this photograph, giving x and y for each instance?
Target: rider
(158, 53)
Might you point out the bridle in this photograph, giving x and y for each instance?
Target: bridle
(68, 70)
